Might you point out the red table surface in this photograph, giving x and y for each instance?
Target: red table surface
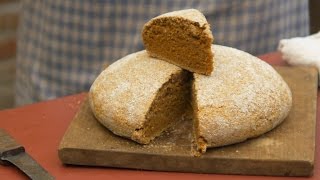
(41, 126)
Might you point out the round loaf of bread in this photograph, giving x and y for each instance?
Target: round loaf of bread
(138, 97)
(243, 98)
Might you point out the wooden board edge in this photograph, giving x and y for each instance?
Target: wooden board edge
(185, 164)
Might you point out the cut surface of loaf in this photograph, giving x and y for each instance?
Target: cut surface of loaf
(138, 96)
(182, 38)
(243, 98)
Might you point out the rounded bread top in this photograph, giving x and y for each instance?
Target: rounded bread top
(189, 14)
(244, 97)
(192, 15)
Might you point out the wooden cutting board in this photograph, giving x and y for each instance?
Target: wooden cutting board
(288, 150)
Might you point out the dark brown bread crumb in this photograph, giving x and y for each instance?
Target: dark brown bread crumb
(168, 107)
(178, 39)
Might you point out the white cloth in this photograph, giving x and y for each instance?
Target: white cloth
(301, 51)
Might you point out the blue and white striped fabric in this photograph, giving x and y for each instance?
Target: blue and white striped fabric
(63, 45)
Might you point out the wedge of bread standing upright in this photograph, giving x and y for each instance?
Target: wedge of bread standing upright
(182, 38)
